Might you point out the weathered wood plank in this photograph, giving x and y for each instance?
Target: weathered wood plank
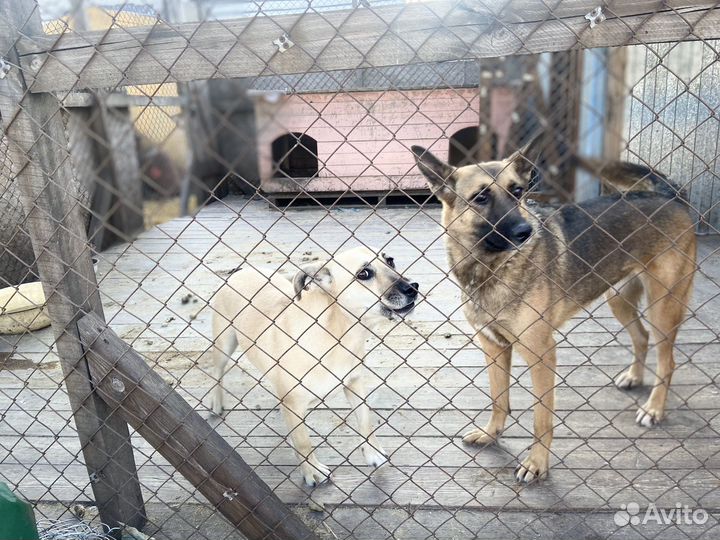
(687, 439)
(617, 92)
(179, 522)
(619, 453)
(117, 99)
(610, 413)
(591, 478)
(412, 33)
(118, 151)
(539, 10)
(165, 420)
(39, 150)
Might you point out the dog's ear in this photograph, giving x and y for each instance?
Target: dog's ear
(318, 274)
(526, 158)
(438, 173)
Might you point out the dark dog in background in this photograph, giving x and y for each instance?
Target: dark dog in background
(525, 270)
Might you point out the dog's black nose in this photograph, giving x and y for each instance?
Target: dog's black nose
(409, 289)
(521, 232)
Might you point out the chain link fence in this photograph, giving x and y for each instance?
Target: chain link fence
(218, 205)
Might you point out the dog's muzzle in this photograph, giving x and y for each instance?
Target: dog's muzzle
(405, 310)
(407, 291)
(509, 238)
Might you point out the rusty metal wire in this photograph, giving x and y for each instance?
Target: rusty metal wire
(285, 170)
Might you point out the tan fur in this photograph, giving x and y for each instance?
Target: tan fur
(515, 299)
(308, 338)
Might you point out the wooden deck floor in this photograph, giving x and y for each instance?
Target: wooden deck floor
(431, 386)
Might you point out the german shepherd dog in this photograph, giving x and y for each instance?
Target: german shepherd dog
(525, 269)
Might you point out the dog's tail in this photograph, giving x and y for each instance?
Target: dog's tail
(624, 176)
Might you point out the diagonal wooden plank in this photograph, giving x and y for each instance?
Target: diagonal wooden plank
(188, 442)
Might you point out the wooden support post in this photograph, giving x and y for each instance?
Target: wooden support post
(39, 151)
(82, 134)
(105, 160)
(617, 91)
(189, 443)
(125, 169)
(484, 149)
(563, 116)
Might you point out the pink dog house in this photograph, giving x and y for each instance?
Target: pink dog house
(338, 136)
(358, 142)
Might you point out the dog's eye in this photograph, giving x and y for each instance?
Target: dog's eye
(517, 192)
(481, 198)
(365, 274)
(390, 262)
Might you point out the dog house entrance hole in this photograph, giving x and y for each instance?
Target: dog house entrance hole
(294, 155)
(465, 147)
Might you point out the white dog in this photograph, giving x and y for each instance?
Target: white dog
(308, 337)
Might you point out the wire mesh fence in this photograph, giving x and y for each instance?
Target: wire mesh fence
(327, 227)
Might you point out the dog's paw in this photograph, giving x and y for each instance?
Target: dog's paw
(480, 437)
(628, 379)
(374, 454)
(531, 470)
(315, 474)
(217, 406)
(648, 415)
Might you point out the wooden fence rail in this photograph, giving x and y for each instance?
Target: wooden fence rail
(432, 31)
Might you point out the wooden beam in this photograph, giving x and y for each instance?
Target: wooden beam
(117, 99)
(541, 10)
(180, 435)
(121, 154)
(433, 31)
(83, 133)
(39, 151)
(617, 94)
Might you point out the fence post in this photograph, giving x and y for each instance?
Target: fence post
(39, 150)
(122, 157)
(617, 89)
